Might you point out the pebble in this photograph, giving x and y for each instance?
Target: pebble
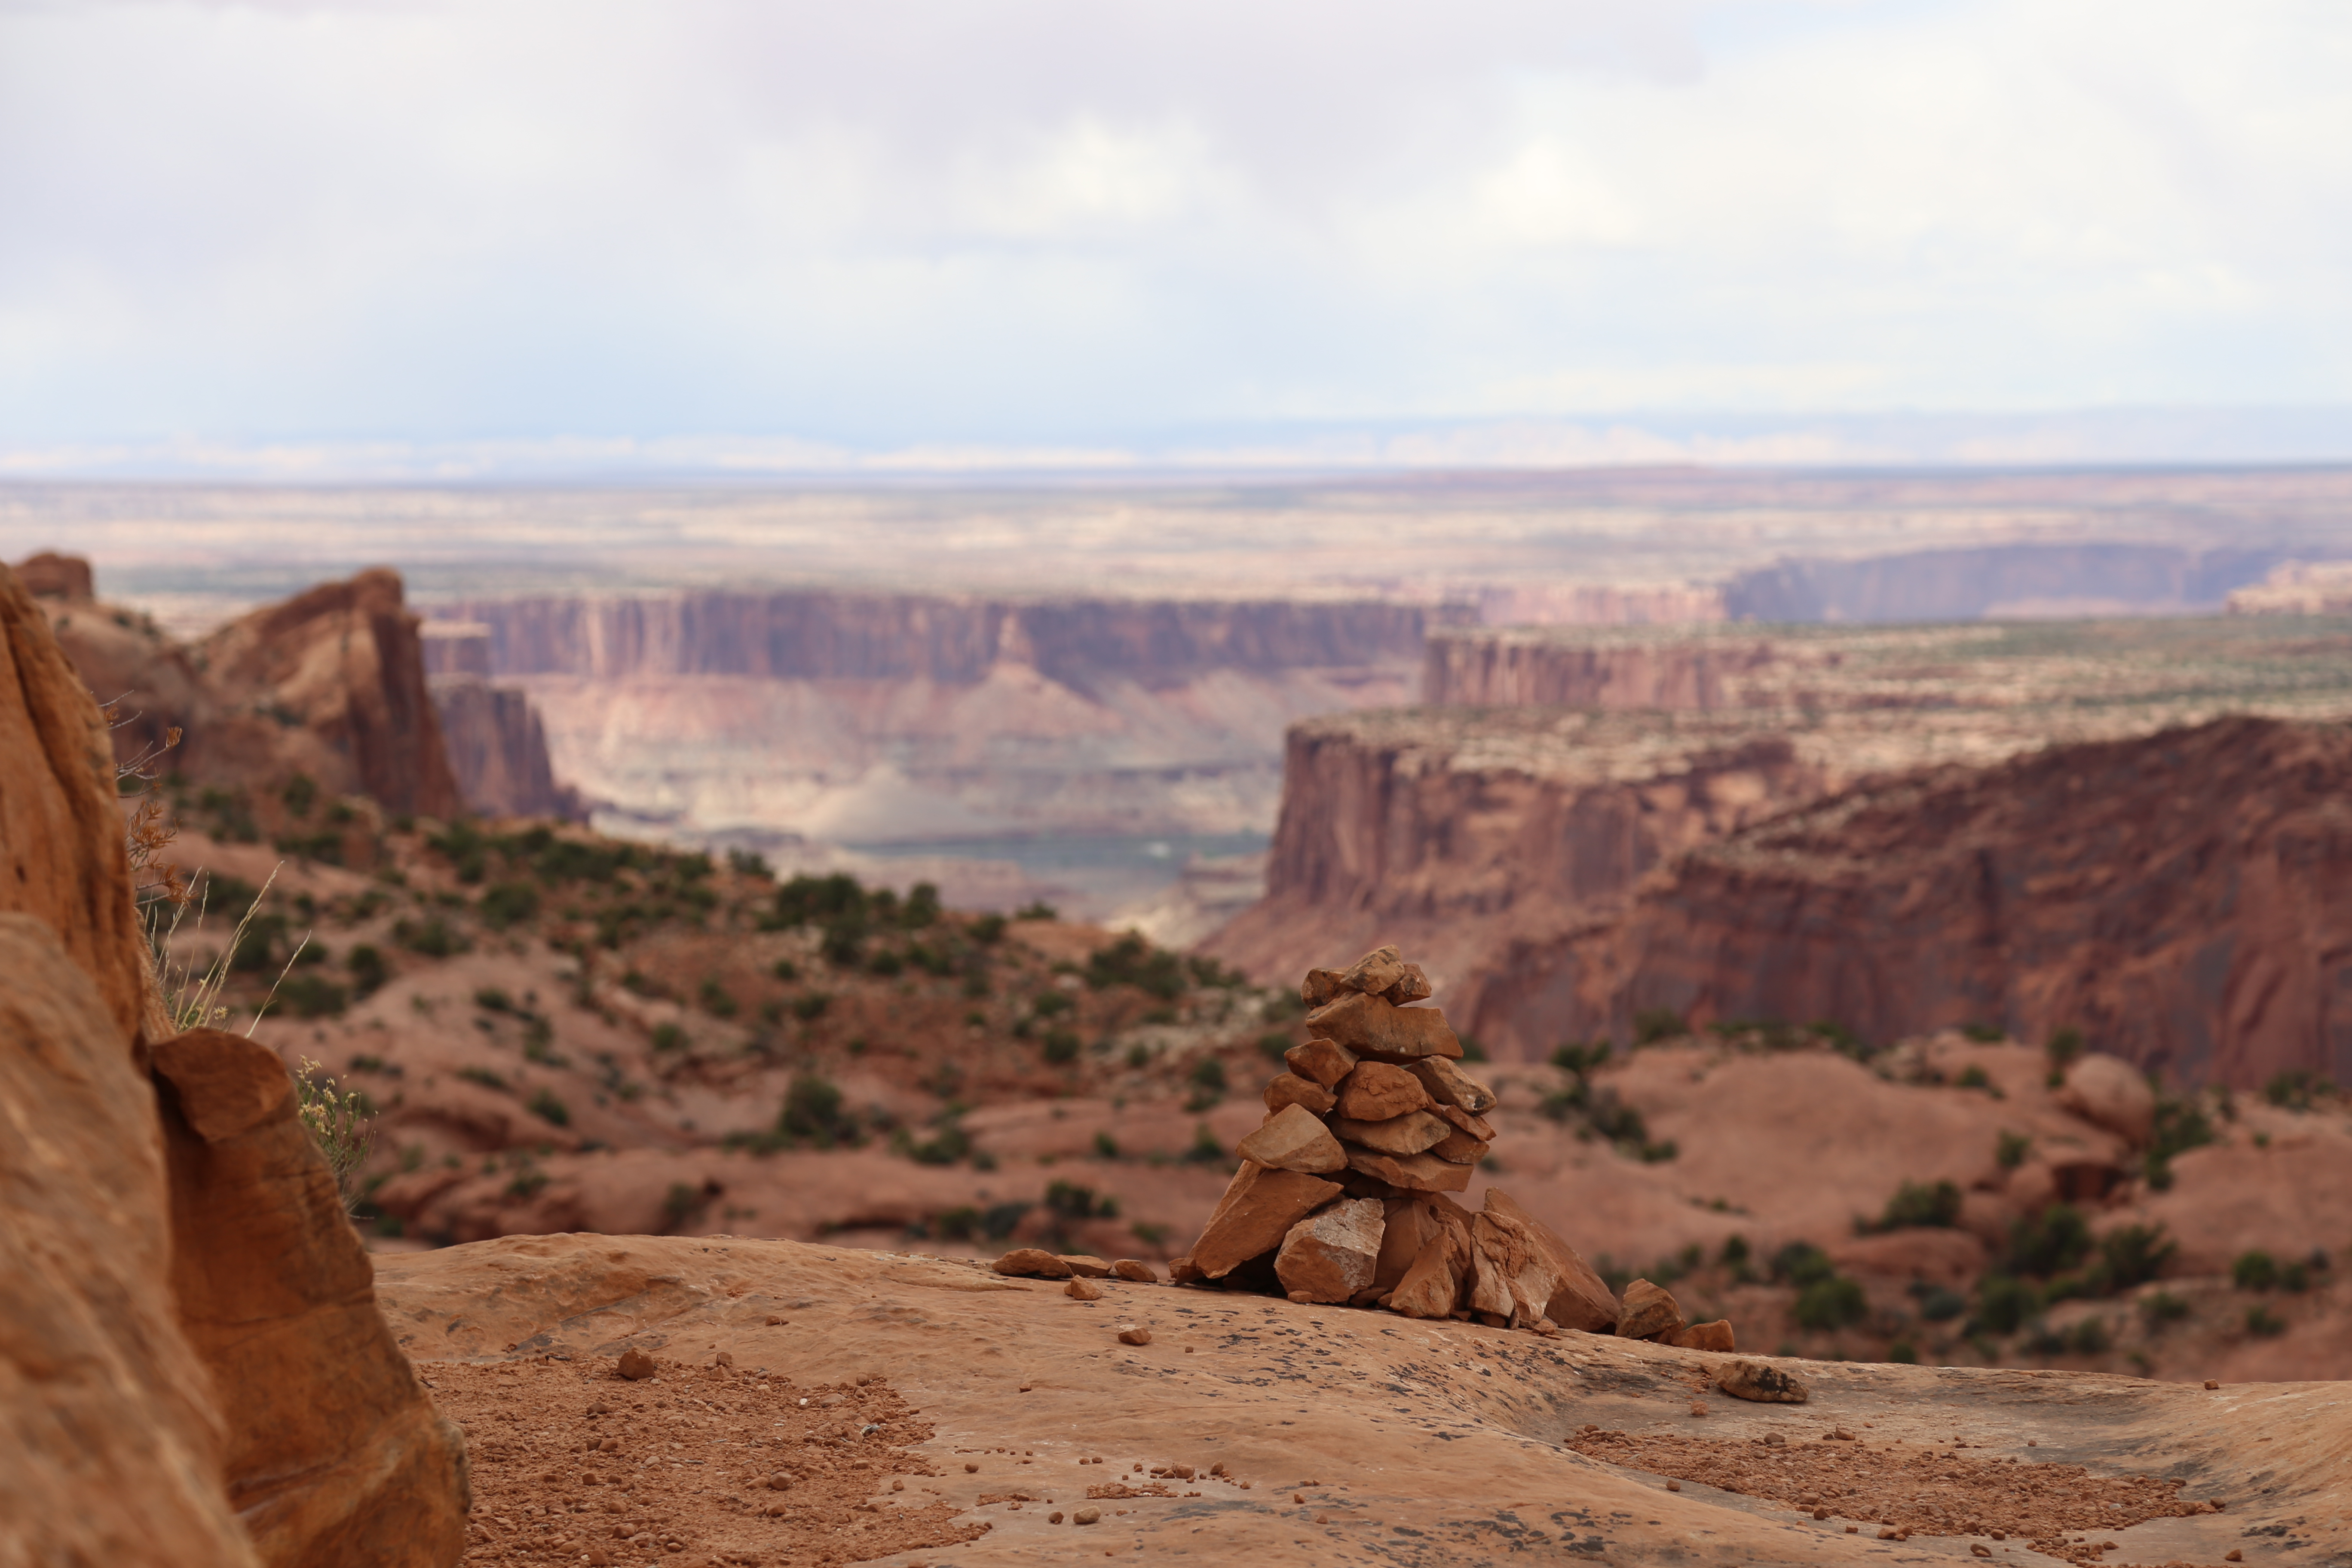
(635, 1364)
(1086, 1516)
(1083, 1290)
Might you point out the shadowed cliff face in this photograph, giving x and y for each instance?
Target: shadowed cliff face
(2184, 899)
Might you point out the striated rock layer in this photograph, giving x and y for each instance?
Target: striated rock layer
(2184, 899)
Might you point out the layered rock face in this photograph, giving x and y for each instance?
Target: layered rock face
(1459, 833)
(2184, 899)
(329, 684)
(191, 1370)
(896, 717)
(498, 750)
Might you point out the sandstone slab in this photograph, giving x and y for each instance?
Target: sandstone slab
(1375, 971)
(1135, 1269)
(1715, 1336)
(1289, 1088)
(1331, 1254)
(1373, 1027)
(1460, 1148)
(1408, 1224)
(1411, 1173)
(1258, 1209)
(1375, 1091)
(1324, 1062)
(1294, 1139)
(1087, 1267)
(1437, 1285)
(1583, 1299)
(1408, 1134)
(1032, 1262)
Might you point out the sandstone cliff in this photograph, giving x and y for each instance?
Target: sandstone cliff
(497, 747)
(329, 684)
(1456, 833)
(2184, 899)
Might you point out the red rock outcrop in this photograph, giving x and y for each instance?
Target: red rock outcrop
(497, 747)
(1496, 669)
(183, 1340)
(329, 684)
(2184, 899)
(334, 1454)
(1452, 834)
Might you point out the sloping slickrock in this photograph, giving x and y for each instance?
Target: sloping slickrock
(335, 1454)
(1375, 1091)
(1258, 1210)
(1373, 1027)
(1449, 1085)
(1294, 1139)
(1332, 1253)
(61, 851)
(1413, 1172)
(1006, 1364)
(1408, 1134)
(1583, 1300)
(110, 1447)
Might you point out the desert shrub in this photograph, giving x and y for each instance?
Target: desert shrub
(1652, 1025)
(2089, 1337)
(1984, 1034)
(1921, 1206)
(2004, 1303)
(1975, 1077)
(493, 999)
(2163, 1307)
(1208, 1073)
(1037, 910)
(483, 1075)
(340, 1125)
(2254, 1271)
(2181, 1125)
(1131, 961)
(1049, 1004)
(1208, 972)
(716, 999)
(811, 1006)
(313, 997)
(1138, 1055)
(1841, 1040)
(1735, 1252)
(1205, 1149)
(2062, 1047)
(922, 906)
(1903, 1351)
(748, 863)
(1941, 1303)
(785, 969)
(2263, 1323)
(957, 1223)
(2133, 1254)
(1105, 1146)
(947, 1143)
(1275, 1045)
(814, 1113)
(998, 1220)
(509, 904)
(670, 1037)
(301, 793)
(683, 1204)
(2056, 1239)
(1800, 1264)
(550, 1110)
(368, 970)
(1069, 1201)
(1061, 1047)
(885, 963)
(2290, 1090)
(2009, 1149)
(986, 929)
(1832, 1302)
(433, 938)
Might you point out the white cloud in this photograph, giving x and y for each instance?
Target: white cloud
(924, 222)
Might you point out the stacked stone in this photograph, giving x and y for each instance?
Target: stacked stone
(1341, 1195)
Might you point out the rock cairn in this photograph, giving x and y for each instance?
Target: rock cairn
(1341, 1195)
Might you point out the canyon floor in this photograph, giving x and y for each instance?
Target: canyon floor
(925, 1411)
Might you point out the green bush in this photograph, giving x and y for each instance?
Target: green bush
(550, 1110)
(922, 906)
(2056, 1239)
(885, 963)
(947, 1143)
(1061, 1047)
(717, 1000)
(1652, 1025)
(957, 1223)
(2181, 1125)
(2005, 1301)
(301, 793)
(1835, 1303)
(2062, 1047)
(509, 904)
(1984, 1034)
(2163, 1307)
(1801, 1264)
(1904, 1352)
(813, 1113)
(1131, 961)
(2262, 1323)
(1919, 1205)
(1105, 1146)
(671, 1037)
(2290, 1090)
(785, 969)
(313, 997)
(2134, 1255)
(1038, 910)
(493, 999)
(1049, 1004)
(2089, 1337)
(748, 863)
(2254, 1271)
(1068, 1201)
(1208, 1073)
(1940, 1304)
(482, 1076)
(986, 929)
(809, 1008)
(2008, 1150)
(433, 938)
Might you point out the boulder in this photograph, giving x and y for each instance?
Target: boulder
(1411, 1173)
(335, 1454)
(1407, 1134)
(1760, 1381)
(1432, 1287)
(1258, 1209)
(1370, 1027)
(1289, 1088)
(1583, 1300)
(109, 1441)
(1511, 1274)
(1375, 1091)
(1331, 1254)
(49, 576)
(2109, 1092)
(1087, 1267)
(1324, 1062)
(1449, 1085)
(1408, 1224)
(1294, 1139)
(1136, 1269)
(1033, 1263)
(1648, 1311)
(1713, 1336)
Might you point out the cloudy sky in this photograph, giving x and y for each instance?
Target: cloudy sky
(1085, 224)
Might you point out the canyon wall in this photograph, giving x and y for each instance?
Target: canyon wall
(497, 748)
(1493, 670)
(1996, 580)
(2184, 899)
